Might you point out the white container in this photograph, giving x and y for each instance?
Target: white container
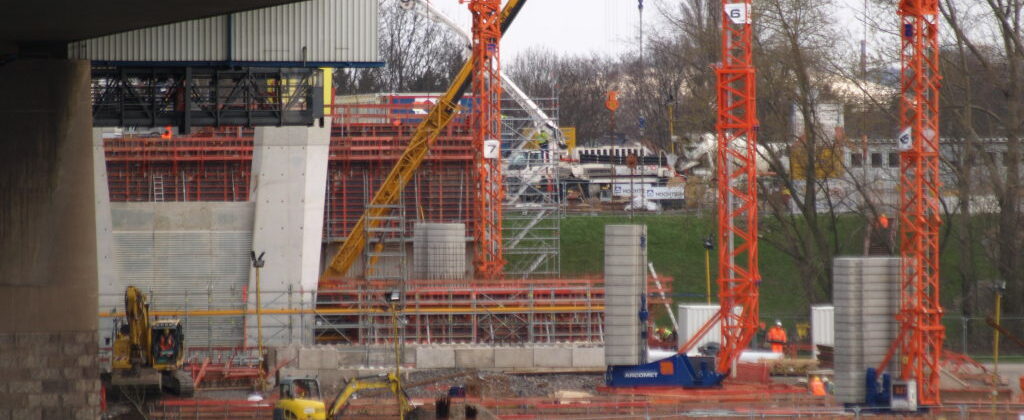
(691, 318)
(822, 326)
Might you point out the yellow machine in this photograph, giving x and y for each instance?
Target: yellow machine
(300, 398)
(148, 354)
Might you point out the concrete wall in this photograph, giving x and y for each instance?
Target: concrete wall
(192, 256)
(554, 356)
(48, 263)
(289, 182)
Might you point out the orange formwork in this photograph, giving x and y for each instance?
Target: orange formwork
(366, 139)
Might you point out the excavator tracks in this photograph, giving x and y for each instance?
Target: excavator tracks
(179, 382)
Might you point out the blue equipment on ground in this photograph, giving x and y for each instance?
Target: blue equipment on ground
(678, 370)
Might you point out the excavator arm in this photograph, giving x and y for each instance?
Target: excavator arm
(137, 317)
(422, 140)
(356, 385)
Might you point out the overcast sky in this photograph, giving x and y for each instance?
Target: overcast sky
(586, 26)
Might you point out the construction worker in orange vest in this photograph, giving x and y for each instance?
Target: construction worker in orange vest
(777, 337)
(817, 386)
(883, 221)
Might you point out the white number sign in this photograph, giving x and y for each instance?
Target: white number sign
(906, 139)
(492, 149)
(739, 13)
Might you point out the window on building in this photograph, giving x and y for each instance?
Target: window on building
(876, 160)
(894, 160)
(856, 160)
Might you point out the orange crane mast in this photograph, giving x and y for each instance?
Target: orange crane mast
(738, 275)
(921, 333)
(488, 260)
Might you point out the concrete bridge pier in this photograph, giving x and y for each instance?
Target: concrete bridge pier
(289, 182)
(48, 264)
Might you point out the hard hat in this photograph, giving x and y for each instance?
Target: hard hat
(778, 322)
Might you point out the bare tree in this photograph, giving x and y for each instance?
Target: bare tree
(990, 59)
(793, 53)
(419, 55)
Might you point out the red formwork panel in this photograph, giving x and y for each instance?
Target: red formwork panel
(215, 164)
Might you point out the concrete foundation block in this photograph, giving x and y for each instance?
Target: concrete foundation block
(409, 355)
(328, 358)
(474, 358)
(288, 354)
(351, 358)
(587, 357)
(289, 372)
(309, 358)
(513, 357)
(435, 357)
(553, 357)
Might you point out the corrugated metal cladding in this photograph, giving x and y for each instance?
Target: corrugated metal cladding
(316, 31)
(194, 270)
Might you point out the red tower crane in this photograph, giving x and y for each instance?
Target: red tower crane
(738, 274)
(489, 258)
(921, 333)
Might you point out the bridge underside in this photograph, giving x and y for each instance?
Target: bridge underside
(60, 21)
(48, 249)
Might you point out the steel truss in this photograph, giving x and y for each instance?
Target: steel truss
(488, 259)
(188, 97)
(921, 333)
(738, 274)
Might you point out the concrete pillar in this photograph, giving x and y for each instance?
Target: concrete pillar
(48, 263)
(110, 289)
(289, 181)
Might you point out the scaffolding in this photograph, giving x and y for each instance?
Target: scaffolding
(533, 206)
(484, 312)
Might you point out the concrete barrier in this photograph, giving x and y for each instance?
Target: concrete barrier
(588, 357)
(513, 357)
(480, 358)
(553, 357)
(435, 357)
(322, 357)
(309, 357)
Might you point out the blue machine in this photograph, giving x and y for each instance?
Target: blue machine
(877, 392)
(677, 370)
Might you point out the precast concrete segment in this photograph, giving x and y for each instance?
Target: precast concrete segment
(554, 356)
(439, 251)
(440, 357)
(289, 176)
(625, 269)
(481, 357)
(866, 301)
(48, 259)
(514, 357)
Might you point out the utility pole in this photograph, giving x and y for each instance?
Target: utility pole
(394, 298)
(258, 263)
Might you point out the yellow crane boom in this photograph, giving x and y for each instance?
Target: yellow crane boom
(422, 140)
